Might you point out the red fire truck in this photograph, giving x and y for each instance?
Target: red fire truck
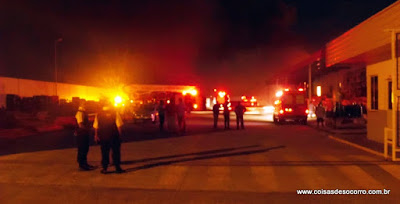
(291, 105)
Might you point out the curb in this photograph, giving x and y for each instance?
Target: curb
(357, 146)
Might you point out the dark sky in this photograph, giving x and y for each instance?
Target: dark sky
(231, 44)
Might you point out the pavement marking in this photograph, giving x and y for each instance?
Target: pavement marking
(218, 178)
(359, 177)
(394, 170)
(173, 176)
(357, 146)
(265, 178)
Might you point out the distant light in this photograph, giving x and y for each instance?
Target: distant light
(286, 89)
(221, 94)
(215, 90)
(307, 111)
(243, 97)
(118, 100)
(319, 91)
(277, 102)
(252, 104)
(281, 111)
(168, 101)
(268, 109)
(195, 106)
(301, 89)
(184, 93)
(279, 94)
(131, 101)
(193, 92)
(123, 104)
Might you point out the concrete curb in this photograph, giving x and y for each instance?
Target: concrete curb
(356, 146)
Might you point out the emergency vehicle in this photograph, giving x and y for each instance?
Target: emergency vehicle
(291, 105)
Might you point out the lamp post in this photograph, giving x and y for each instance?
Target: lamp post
(59, 40)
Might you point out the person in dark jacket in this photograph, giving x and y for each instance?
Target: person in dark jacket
(107, 126)
(239, 110)
(161, 114)
(215, 114)
(82, 133)
(226, 115)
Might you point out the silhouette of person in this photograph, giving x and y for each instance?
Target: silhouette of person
(320, 113)
(161, 114)
(170, 113)
(239, 110)
(107, 125)
(215, 114)
(226, 115)
(181, 109)
(82, 133)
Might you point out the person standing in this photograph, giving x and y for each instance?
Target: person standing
(226, 116)
(320, 113)
(239, 110)
(170, 113)
(161, 114)
(215, 114)
(181, 109)
(107, 125)
(82, 133)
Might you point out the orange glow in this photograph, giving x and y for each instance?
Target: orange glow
(195, 106)
(131, 101)
(319, 91)
(194, 92)
(307, 111)
(221, 94)
(301, 89)
(279, 94)
(184, 93)
(243, 97)
(215, 90)
(277, 102)
(286, 89)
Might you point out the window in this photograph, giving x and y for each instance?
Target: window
(374, 92)
(390, 94)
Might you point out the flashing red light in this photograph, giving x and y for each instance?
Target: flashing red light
(222, 94)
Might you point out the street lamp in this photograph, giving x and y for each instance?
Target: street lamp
(59, 40)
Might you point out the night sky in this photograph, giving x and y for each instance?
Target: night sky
(230, 44)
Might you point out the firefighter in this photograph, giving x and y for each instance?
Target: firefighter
(107, 125)
(82, 133)
(215, 114)
(239, 110)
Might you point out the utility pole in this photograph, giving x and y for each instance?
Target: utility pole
(55, 63)
(309, 84)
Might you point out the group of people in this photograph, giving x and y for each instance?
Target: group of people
(107, 131)
(173, 113)
(239, 110)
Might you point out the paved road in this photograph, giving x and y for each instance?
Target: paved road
(262, 164)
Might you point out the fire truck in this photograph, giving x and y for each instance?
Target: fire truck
(291, 105)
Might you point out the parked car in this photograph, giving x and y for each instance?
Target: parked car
(145, 113)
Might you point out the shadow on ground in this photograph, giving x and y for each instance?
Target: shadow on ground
(65, 139)
(202, 156)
